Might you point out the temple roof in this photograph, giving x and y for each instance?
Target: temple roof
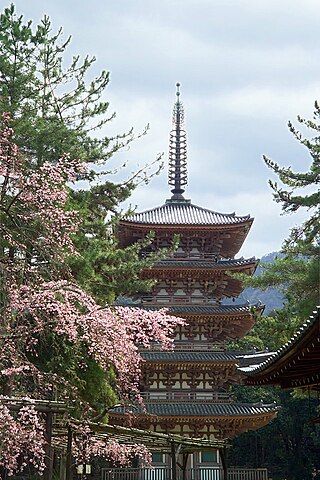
(184, 213)
(254, 359)
(208, 409)
(199, 357)
(296, 363)
(205, 409)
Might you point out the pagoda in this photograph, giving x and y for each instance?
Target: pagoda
(187, 391)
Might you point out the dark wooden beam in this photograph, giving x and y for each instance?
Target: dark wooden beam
(173, 461)
(48, 472)
(69, 455)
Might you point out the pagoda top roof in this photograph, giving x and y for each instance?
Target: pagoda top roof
(184, 212)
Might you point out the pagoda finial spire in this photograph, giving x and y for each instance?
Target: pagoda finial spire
(177, 175)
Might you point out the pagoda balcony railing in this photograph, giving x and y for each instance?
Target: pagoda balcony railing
(178, 300)
(194, 255)
(200, 473)
(188, 255)
(186, 396)
(188, 347)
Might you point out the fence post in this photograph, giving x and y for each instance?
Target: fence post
(223, 457)
(69, 455)
(173, 461)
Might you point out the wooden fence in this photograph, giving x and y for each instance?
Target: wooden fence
(202, 473)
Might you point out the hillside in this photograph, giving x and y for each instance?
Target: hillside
(271, 298)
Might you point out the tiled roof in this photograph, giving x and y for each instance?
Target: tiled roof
(222, 309)
(209, 309)
(254, 358)
(315, 317)
(207, 409)
(209, 356)
(199, 264)
(197, 409)
(184, 214)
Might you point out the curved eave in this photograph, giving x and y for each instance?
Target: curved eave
(230, 247)
(247, 222)
(235, 320)
(293, 365)
(228, 266)
(184, 214)
(209, 410)
(227, 312)
(225, 420)
(204, 310)
(190, 358)
(227, 285)
(128, 230)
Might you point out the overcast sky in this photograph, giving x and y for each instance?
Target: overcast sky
(246, 67)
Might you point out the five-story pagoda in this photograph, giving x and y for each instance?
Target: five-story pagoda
(186, 391)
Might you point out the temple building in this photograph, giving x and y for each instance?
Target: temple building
(295, 365)
(188, 391)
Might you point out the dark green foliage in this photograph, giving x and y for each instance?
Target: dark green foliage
(296, 271)
(61, 109)
(269, 332)
(290, 197)
(289, 446)
(57, 109)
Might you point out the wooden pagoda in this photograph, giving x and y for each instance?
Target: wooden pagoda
(187, 391)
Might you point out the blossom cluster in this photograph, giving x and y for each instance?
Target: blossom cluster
(87, 445)
(33, 200)
(22, 439)
(111, 335)
(36, 231)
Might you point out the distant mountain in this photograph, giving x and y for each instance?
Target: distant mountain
(272, 298)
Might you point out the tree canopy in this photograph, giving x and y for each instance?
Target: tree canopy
(294, 450)
(296, 271)
(59, 262)
(60, 108)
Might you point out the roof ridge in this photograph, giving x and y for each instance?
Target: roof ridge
(169, 205)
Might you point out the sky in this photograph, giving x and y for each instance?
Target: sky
(246, 67)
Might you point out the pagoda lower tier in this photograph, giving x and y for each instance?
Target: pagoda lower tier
(211, 324)
(165, 370)
(196, 282)
(187, 392)
(198, 420)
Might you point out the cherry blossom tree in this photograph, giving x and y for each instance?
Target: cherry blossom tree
(53, 335)
(21, 439)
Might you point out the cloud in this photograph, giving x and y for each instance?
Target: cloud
(246, 68)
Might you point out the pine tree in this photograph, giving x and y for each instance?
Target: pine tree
(297, 271)
(60, 109)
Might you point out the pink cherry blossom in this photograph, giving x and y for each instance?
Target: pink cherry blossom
(36, 231)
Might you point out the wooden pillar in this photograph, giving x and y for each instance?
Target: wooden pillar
(223, 456)
(63, 467)
(184, 465)
(173, 462)
(69, 455)
(48, 472)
